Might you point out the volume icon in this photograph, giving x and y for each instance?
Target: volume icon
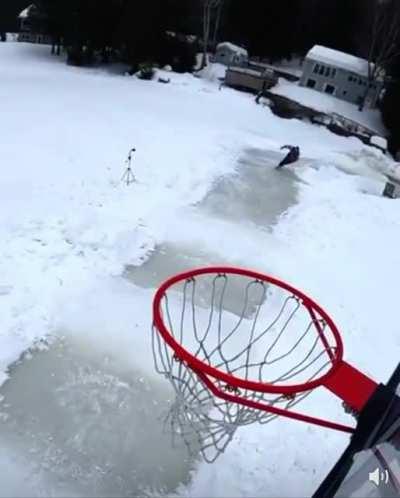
(378, 477)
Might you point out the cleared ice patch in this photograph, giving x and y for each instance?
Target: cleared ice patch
(257, 193)
(78, 425)
(166, 260)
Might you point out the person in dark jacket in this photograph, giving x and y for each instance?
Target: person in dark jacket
(291, 157)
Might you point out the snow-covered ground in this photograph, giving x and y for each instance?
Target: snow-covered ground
(292, 66)
(326, 103)
(71, 232)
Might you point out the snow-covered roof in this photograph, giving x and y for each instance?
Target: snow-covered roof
(25, 13)
(233, 48)
(339, 59)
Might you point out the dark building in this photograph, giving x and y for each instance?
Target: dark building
(32, 25)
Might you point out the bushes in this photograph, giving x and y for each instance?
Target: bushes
(173, 51)
(80, 56)
(179, 53)
(146, 71)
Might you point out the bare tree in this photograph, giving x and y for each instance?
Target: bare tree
(217, 22)
(384, 44)
(208, 9)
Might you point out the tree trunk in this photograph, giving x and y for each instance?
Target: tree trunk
(217, 23)
(370, 81)
(206, 31)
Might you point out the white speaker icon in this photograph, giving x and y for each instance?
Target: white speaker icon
(377, 476)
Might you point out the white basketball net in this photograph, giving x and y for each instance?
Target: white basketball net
(246, 328)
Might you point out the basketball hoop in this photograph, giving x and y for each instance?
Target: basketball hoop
(240, 347)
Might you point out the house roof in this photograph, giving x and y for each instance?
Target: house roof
(233, 48)
(339, 59)
(26, 12)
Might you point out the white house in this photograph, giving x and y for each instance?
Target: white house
(343, 75)
(231, 55)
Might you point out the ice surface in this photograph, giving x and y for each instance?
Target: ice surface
(87, 428)
(256, 193)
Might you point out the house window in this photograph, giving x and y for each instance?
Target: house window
(316, 68)
(344, 92)
(330, 89)
(327, 71)
(311, 83)
(321, 70)
(333, 73)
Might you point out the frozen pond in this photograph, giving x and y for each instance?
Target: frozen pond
(87, 429)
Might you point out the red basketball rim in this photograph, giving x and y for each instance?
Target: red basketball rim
(231, 380)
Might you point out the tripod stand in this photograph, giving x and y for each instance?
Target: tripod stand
(128, 176)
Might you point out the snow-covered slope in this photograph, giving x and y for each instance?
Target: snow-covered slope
(68, 227)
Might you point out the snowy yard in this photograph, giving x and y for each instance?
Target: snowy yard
(81, 255)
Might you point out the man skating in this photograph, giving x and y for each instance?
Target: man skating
(291, 157)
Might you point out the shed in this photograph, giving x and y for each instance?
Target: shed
(229, 54)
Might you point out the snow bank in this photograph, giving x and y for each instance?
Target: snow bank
(293, 66)
(214, 72)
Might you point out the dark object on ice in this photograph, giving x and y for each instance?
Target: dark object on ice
(291, 157)
(369, 465)
(163, 80)
(260, 94)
